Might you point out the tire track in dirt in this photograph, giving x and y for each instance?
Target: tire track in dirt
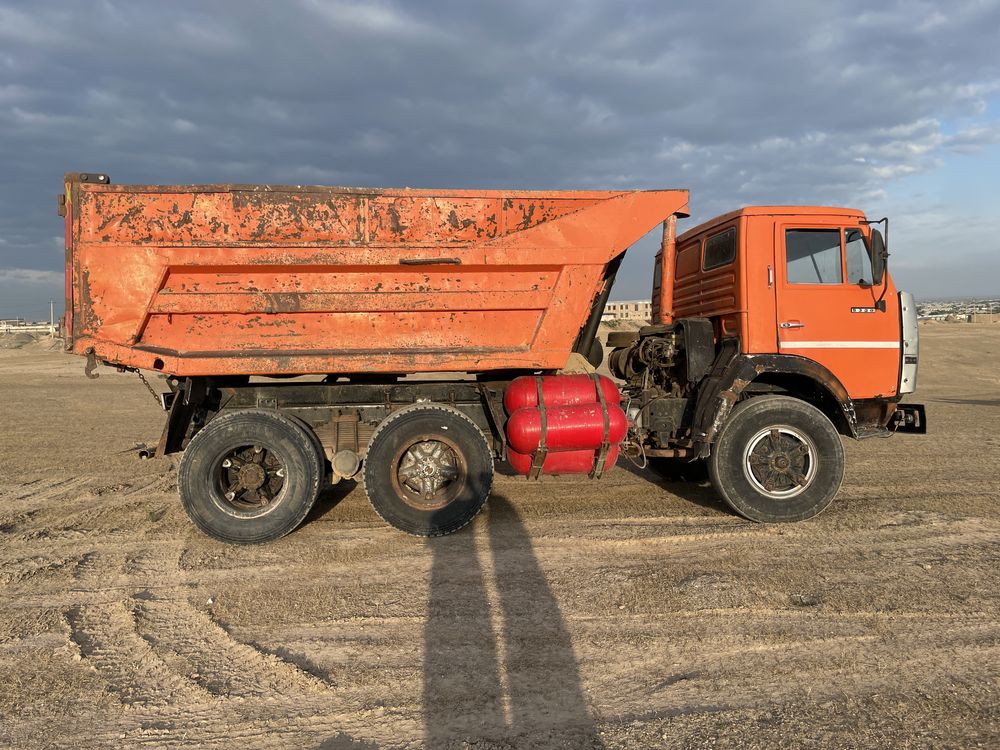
(87, 566)
(42, 502)
(21, 569)
(164, 482)
(107, 638)
(195, 645)
(950, 533)
(313, 727)
(749, 675)
(46, 489)
(102, 516)
(156, 639)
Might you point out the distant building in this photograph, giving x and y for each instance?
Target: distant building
(639, 311)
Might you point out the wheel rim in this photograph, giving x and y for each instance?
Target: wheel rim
(250, 479)
(429, 472)
(780, 461)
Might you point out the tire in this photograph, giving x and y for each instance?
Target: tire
(445, 443)
(318, 446)
(777, 459)
(237, 503)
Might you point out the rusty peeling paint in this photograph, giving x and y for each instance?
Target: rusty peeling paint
(315, 275)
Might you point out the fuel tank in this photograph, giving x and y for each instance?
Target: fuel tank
(559, 390)
(564, 424)
(567, 428)
(564, 462)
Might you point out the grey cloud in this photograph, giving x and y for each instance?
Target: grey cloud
(774, 102)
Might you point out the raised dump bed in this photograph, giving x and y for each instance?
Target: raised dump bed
(277, 280)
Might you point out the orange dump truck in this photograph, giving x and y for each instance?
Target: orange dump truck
(411, 338)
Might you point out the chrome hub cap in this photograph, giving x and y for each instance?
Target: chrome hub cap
(427, 468)
(429, 473)
(780, 461)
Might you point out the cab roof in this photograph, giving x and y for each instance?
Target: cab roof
(770, 211)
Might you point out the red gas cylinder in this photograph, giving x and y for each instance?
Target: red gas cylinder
(559, 390)
(563, 462)
(567, 428)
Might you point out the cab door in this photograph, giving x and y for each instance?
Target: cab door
(827, 308)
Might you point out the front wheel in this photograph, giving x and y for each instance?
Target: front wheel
(777, 459)
(429, 470)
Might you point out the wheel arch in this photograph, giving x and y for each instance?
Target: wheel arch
(810, 381)
(815, 391)
(753, 374)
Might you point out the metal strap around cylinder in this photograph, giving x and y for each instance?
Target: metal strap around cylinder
(542, 451)
(602, 454)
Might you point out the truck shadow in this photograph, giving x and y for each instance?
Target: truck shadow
(508, 676)
(687, 482)
(329, 498)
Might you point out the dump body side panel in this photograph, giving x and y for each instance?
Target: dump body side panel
(215, 280)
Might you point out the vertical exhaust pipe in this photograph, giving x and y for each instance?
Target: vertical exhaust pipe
(668, 251)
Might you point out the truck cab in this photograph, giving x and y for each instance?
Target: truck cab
(797, 281)
(775, 330)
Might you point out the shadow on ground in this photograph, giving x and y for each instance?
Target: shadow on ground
(513, 678)
(329, 498)
(685, 479)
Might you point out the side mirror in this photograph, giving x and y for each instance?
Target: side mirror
(879, 257)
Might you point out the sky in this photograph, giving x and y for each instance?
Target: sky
(890, 107)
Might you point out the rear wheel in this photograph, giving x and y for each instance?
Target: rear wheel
(777, 459)
(250, 476)
(429, 470)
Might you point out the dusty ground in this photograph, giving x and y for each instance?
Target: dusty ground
(625, 613)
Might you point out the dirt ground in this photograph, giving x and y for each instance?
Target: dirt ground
(631, 612)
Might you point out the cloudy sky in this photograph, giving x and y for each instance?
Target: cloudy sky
(891, 107)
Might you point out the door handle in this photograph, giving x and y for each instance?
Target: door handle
(791, 324)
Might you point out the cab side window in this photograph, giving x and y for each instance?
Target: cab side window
(720, 249)
(859, 263)
(812, 256)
